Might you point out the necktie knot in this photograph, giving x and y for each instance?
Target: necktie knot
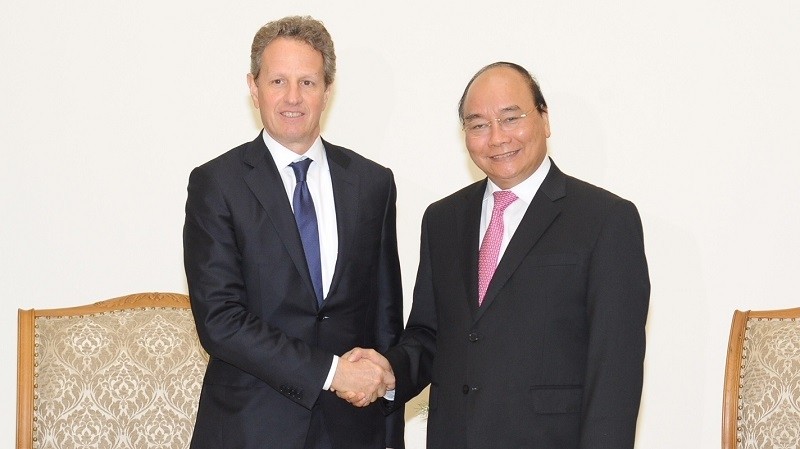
(503, 199)
(301, 169)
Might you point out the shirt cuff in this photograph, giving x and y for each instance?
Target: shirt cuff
(329, 379)
(389, 396)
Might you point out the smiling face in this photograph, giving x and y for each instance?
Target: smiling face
(290, 92)
(507, 156)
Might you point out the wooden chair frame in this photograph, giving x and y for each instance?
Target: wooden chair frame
(733, 368)
(26, 350)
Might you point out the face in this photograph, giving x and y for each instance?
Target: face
(290, 92)
(507, 156)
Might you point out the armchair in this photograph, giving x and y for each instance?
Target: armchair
(761, 399)
(120, 373)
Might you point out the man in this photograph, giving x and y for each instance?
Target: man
(291, 258)
(528, 322)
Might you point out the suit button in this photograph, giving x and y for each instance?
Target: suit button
(473, 337)
(465, 389)
(321, 317)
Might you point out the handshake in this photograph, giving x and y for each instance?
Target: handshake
(362, 376)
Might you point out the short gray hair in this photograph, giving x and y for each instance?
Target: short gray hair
(302, 28)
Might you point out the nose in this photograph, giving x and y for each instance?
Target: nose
(293, 94)
(496, 134)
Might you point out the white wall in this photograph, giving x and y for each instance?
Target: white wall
(688, 108)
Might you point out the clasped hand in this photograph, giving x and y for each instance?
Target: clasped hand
(362, 376)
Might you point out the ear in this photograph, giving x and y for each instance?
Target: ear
(546, 124)
(251, 83)
(326, 95)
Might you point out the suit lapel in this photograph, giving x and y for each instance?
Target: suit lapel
(468, 231)
(266, 184)
(539, 216)
(345, 183)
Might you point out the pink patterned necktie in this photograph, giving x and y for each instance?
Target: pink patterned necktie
(490, 247)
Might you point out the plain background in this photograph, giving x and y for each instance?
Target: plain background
(687, 108)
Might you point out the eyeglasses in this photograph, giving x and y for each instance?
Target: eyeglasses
(482, 126)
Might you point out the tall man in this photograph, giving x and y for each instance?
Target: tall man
(291, 258)
(532, 292)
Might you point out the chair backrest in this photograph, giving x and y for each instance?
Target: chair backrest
(120, 373)
(761, 399)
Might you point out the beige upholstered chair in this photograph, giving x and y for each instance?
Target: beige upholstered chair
(761, 403)
(122, 373)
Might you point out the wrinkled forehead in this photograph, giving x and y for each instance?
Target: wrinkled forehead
(512, 110)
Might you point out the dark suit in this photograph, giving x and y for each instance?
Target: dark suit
(553, 358)
(255, 309)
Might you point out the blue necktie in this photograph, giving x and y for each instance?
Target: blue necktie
(306, 218)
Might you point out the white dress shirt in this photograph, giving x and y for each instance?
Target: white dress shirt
(513, 214)
(321, 188)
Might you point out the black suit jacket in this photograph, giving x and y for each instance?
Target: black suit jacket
(553, 358)
(255, 309)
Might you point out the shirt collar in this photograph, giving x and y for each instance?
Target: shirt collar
(527, 188)
(284, 156)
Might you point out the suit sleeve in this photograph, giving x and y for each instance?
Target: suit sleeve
(389, 316)
(412, 359)
(618, 294)
(227, 330)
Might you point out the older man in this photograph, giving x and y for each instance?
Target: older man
(531, 296)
